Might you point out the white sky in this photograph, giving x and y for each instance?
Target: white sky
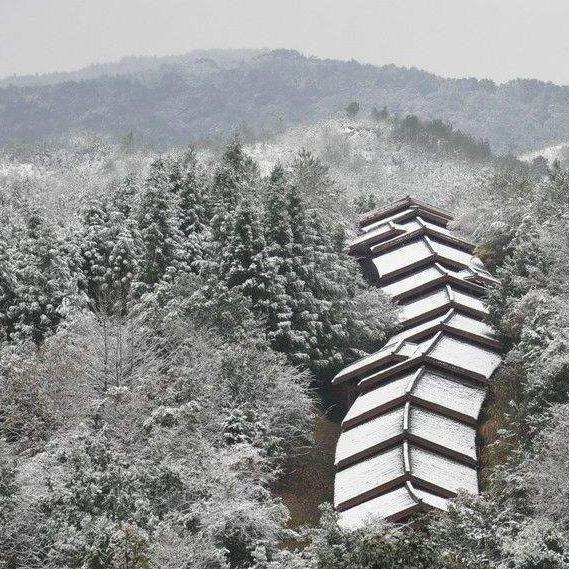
(499, 39)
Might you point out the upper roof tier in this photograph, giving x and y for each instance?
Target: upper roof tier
(401, 206)
(393, 233)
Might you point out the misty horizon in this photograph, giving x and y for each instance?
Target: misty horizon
(457, 39)
(265, 49)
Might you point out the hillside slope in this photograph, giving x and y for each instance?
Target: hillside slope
(371, 159)
(177, 101)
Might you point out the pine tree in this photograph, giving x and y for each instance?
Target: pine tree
(123, 197)
(232, 182)
(7, 290)
(95, 242)
(42, 282)
(316, 188)
(243, 262)
(316, 314)
(527, 266)
(124, 263)
(110, 249)
(159, 227)
(284, 307)
(188, 183)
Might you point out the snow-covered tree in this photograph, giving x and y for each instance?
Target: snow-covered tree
(41, 277)
(243, 261)
(158, 223)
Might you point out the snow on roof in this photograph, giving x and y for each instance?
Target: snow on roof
(438, 301)
(420, 250)
(384, 213)
(381, 232)
(418, 228)
(386, 231)
(383, 357)
(465, 355)
(470, 326)
(450, 253)
(423, 278)
(389, 504)
(413, 281)
(445, 391)
(408, 442)
(453, 322)
(429, 327)
(443, 431)
(384, 396)
(434, 300)
(469, 301)
(442, 472)
(437, 228)
(450, 353)
(408, 255)
(396, 217)
(369, 475)
(432, 500)
(369, 435)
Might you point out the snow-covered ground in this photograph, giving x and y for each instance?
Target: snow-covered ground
(366, 159)
(550, 153)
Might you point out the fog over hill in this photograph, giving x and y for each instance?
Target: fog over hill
(206, 94)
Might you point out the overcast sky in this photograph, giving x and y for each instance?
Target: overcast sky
(499, 39)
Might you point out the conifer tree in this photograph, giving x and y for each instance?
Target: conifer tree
(316, 187)
(159, 227)
(243, 260)
(124, 261)
(284, 308)
(527, 266)
(233, 181)
(191, 191)
(189, 186)
(110, 250)
(7, 292)
(95, 244)
(42, 282)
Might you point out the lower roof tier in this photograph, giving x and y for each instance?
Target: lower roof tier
(362, 481)
(394, 505)
(412, 422)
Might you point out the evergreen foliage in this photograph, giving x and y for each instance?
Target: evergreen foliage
(157, 351)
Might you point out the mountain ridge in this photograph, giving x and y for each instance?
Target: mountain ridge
(196, 97)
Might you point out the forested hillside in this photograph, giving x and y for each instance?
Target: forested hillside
(170, 324)
(204, 95)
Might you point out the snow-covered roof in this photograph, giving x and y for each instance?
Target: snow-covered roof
(380, 472)
(455, 323)
(388, 212)
(392, 468)
(474, 357)
(420, 228)
(449, 394)
(369, 436)
(422, 426)
(393, 351)
(418, 251)
(408, 441)
(425, 278)
(390, 504)
(439, 301)
(402, 228)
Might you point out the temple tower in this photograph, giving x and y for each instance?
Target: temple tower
(408, 441)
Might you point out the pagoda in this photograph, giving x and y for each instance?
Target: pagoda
(409, 439)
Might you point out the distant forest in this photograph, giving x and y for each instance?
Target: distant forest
(203, 95)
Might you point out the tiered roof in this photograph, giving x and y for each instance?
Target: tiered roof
(408, 442)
